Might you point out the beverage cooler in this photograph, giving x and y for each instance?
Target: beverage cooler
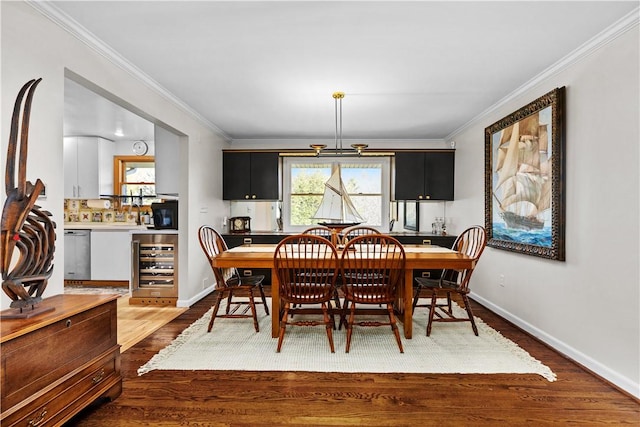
(154, 264)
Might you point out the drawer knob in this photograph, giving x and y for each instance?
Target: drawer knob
(98, 377)
(68, 323)
(39, 419)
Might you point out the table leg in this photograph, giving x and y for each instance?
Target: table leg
(275, 304)
(408, 303)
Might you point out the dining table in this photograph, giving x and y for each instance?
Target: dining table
(418, 257)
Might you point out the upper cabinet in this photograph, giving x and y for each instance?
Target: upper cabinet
(424, 175)
(81, 162)
(250, 175)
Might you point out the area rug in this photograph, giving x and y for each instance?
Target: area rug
(233, 344)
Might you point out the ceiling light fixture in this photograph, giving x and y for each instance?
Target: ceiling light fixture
(317, 148)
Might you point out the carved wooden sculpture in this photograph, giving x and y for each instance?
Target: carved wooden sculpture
(25, 226)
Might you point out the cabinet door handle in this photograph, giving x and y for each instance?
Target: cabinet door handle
(427, 197)
(253, 197)
(420, 197)
(39, 419)
(426, 242)
(246, 196)
(68, 323)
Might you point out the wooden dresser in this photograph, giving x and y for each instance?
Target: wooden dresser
(55, 364)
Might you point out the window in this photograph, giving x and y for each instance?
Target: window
(135, 175)
(367, 181)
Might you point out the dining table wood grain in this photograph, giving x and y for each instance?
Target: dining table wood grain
(418, 257)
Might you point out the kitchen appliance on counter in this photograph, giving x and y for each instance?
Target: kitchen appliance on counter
(165, 215)
(154, 266)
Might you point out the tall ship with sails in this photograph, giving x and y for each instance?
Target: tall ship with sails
(336, 208)
(524, 174)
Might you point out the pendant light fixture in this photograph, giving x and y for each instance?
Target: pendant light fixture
(317, 148)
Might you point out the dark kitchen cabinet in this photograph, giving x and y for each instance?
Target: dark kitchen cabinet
(250, 176)
(424, 175)
(426, 239)
(239, 239)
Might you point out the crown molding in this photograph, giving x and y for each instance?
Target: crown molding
(64, 21)
(615, 30)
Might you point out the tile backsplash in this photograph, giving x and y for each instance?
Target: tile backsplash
(97, 210)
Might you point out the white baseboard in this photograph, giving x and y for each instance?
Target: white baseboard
(195, 298)
(596, 367)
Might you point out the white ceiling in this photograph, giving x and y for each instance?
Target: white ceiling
(410, 70)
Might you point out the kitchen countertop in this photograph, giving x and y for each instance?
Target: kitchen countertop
(109, 227)
(289, 233)
(103, 226)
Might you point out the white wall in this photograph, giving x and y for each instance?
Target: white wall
(589, 306)
(33, 46)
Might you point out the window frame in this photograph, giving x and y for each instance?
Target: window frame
(385, 194)
(119, 167)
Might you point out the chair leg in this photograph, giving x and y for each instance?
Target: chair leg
(216, 306)
(264, 299)
(349, 325)
(416, 297)
(470, 313)
(336, 299)
(394, 326)
(449, 303)
(329, 324)
(432, 311)
(229, 297)
(283, 325)
(252, 304)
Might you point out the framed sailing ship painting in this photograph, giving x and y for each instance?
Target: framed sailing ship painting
(524, 179)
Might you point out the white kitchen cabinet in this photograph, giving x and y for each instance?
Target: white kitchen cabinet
(110, 255)
(82, 166)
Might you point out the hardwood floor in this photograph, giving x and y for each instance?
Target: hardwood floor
(135, 322)
(234, 398)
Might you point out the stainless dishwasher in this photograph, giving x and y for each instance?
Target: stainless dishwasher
(77, 255)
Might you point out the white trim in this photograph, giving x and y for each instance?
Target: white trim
(194, 299)
(49, 10)
(598, 368)
(605, 37)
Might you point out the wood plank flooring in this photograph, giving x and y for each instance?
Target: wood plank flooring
(136, 322)
(235, 398)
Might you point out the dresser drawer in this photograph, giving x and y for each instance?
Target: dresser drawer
(44, 356)
(62, 399)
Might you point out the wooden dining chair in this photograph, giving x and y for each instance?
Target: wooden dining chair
(372, 270)
(306, 267)
(470, 242)
(229, 283)
(357, 230)
(323, 231)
